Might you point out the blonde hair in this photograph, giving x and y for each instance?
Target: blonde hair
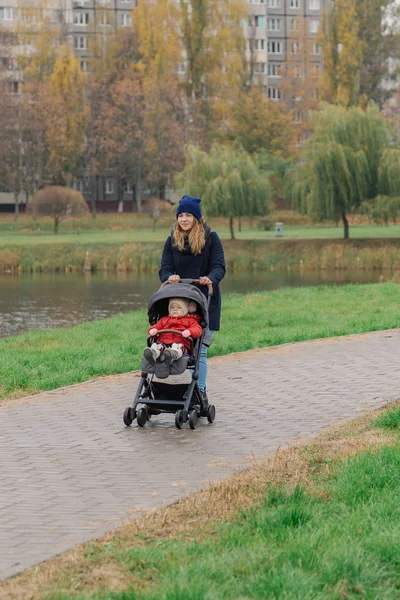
(196, 236)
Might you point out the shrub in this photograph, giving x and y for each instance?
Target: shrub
(58, 202)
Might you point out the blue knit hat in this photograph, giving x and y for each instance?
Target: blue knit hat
(189, 204)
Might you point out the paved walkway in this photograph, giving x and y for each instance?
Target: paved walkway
(70, 470)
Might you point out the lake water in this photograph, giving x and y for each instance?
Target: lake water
(44, 301)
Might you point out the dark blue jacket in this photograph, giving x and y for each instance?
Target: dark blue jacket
(210, 263)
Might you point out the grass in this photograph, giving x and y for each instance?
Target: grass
(317, 522)
(86, 237)
(44, 360)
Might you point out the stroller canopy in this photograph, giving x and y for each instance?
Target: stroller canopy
(158, 303)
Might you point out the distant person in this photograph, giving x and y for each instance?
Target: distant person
(193, 251)
(172, 346)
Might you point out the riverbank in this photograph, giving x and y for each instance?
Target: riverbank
(247, 254)
(45, 360)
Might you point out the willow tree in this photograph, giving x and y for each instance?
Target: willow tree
(338, 168)
(228, 181)
(386, 206)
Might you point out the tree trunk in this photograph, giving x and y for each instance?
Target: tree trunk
(137, 193)
(240, 224)
(231, 228)
(345, 225)
(56, 223)
(120, 196)
(103, 187)
(16, 205)
(93, 196)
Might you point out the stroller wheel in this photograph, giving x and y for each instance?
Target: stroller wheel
(141, 417)
(179, 420)
(211, 413)
(193, 419)
(128, 416)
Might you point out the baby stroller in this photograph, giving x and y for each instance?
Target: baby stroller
(154, 397)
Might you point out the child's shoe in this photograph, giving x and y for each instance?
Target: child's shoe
(170, 355)
(150, 355)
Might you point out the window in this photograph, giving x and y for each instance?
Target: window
(297, 71)
(256, 44)
(274, 93)
(127, 187)
(81, 18)
(298, 116)
(109, 186)
(13, 87)
(83, 65)
(293, 24)
(274, 3)
(274, 24)
(80, 42)
(259, 21)
(180, 68)
(315, 4)
(126, 20)
(314, 24)
(259, 67)
(6, 13)
(294, 3)
(274, 70)
(256, 1)
(79, 185)
(295, 48)
(274, 47)
(316, 49)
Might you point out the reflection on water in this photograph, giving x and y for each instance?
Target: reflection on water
(44, 301)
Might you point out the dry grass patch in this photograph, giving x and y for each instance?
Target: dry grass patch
(88, 568)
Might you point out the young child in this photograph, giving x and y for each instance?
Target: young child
(172, 345)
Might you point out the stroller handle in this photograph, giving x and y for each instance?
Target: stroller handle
(191, 281)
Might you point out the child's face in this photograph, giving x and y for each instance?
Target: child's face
(176, 310)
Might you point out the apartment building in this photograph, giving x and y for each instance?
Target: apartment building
(281, 37)
(281, 47)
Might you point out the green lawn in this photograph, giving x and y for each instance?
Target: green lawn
(340, 540)
(45, 360)
(96, 236)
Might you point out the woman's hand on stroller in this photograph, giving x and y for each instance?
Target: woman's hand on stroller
(174, 279)
(153, 331)
(205, 281)
(186, 333)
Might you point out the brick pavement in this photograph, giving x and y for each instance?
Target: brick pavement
(70, 470)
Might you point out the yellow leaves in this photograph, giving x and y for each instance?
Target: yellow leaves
(342, 54)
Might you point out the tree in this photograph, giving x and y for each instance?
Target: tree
(379, 34)
(117, 132)
(39, 36)
(164, 133)
(63, 100)
(229, 182)
(58, 202)
(300, 85)
(259, 124)
(342, 54)
(338, 167)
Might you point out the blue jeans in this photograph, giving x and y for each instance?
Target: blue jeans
(203, 367)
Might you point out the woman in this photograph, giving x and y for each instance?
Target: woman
(193, 251)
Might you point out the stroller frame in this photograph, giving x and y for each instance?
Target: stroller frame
(185, 400)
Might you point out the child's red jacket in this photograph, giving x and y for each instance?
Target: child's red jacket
(190, 322)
